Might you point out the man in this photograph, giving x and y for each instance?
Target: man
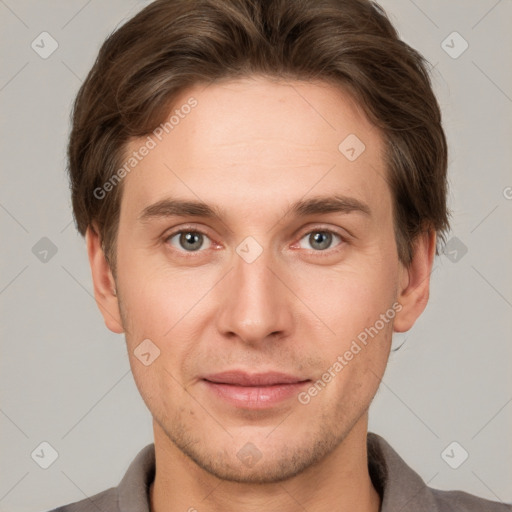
(262, 187)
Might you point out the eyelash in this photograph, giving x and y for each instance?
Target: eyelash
(192, 229)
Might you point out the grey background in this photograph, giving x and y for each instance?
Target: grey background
(65, 378)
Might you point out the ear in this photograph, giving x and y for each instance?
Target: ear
(104, 284)
(414, 282)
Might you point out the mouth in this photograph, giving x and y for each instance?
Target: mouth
(254, 391)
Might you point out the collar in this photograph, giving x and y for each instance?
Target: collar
(399, 486)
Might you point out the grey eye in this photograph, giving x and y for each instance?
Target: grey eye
(320, 240)
(190, 241)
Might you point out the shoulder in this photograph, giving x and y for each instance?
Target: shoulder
(401, 488)
(130, 494)
(105, 501)
(464, 502)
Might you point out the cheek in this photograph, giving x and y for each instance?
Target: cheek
(357, 363)
(358, 306)
(153, 298)
(166, 309)
(349, 300)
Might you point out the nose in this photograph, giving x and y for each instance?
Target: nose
(257, 306)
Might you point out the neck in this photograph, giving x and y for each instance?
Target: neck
(340, 481)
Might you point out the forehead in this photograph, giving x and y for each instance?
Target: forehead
(254, 140)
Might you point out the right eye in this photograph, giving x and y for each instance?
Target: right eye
(187, 240)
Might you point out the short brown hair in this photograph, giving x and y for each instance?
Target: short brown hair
(172, 45)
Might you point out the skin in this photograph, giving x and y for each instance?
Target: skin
(253, 147)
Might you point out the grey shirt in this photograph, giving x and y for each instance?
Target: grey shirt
(401, 489)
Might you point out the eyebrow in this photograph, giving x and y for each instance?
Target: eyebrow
(317, 205)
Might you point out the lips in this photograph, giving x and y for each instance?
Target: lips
(254, 390)
(240, 378)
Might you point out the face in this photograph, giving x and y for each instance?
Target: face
(292, 269)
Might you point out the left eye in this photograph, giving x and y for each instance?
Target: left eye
(320, 239)
(191, 241)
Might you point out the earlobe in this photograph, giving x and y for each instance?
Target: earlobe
(104, 285)
(415, 282)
